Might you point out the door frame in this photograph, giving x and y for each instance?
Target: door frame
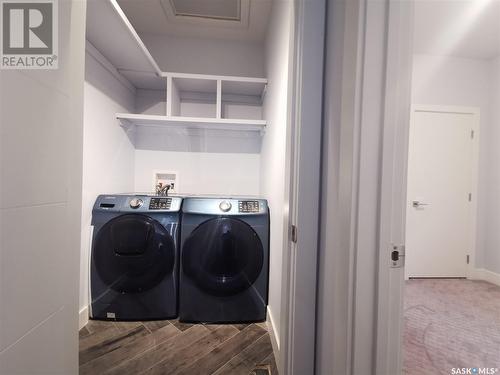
(476, 113)
(303, 164)
(398, 68)
(367, 107)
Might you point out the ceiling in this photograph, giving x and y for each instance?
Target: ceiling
(243, 20)
(461, 28)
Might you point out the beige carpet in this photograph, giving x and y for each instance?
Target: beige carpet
(451, 324)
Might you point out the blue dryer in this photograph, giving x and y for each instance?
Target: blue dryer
(224, 260)
(134, 258)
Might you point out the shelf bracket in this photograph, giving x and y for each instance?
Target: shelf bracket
(263, 94)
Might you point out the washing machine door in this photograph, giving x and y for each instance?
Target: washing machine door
(223, 256)
(133, 253)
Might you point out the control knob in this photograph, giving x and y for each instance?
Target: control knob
(136, 203)
(225, 206)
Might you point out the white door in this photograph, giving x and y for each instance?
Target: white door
(440, 185)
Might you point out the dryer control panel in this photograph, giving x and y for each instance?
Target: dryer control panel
(247, 206)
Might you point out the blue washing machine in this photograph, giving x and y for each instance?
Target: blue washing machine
(134, 257)
(224, 260)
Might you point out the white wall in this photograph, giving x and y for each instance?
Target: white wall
(108, 155)
(440, 80)
(200, 172)
(273, 151)
(151, 102)
(206, 56)
(40, 174)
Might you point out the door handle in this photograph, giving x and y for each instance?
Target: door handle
(418, 204)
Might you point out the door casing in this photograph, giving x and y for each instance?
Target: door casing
(303, 163)
(370, 87)
(368, 82)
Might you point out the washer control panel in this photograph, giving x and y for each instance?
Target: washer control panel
(248, 207)
(160, 203)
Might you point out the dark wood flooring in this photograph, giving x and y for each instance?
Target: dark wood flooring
(171, 347)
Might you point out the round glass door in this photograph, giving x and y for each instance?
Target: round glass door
(223, 256)
(133, 253)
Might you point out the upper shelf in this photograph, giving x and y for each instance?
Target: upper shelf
(110, 32)
(129, 120)
(231, 85)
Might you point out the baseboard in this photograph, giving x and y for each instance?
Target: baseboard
(83, 317)
(275, 340)
(487, 275)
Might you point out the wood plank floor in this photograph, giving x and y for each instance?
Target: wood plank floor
(172, 347)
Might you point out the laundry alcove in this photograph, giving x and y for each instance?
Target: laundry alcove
(202, 98)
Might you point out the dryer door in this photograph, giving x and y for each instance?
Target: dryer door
(223, 256)
(133, 253)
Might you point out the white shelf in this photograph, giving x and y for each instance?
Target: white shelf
(130, 120)
(111, 33)
(222, 92)
(231, 85)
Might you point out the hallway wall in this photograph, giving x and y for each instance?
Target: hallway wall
(443, 80)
